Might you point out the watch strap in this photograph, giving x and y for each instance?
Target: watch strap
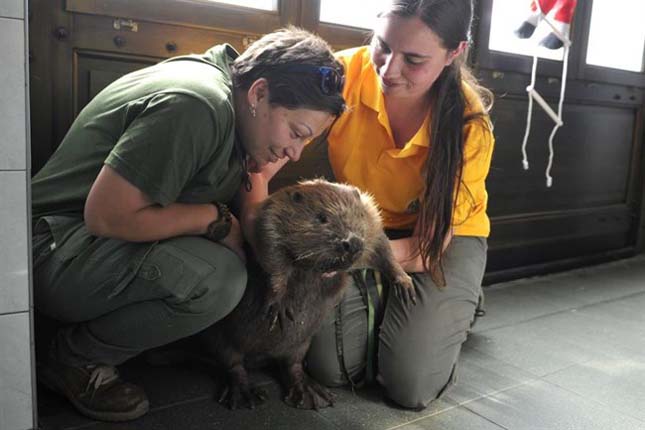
(220, 228)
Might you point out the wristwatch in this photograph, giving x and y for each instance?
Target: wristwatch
(219, 229)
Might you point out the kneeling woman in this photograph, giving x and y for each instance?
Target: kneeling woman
(418, 138)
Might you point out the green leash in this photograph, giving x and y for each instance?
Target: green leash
(372, 293)
(373, 297)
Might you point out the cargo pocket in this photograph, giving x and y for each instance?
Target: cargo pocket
(69, 234)
(56, 241)
(174, 270)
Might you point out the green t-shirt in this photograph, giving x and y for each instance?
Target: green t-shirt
(168, 129)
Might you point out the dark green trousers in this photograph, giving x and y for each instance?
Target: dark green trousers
(120, 298)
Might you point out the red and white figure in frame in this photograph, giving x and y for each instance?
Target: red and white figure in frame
(562, 11)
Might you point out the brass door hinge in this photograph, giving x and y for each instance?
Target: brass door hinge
(125, 24)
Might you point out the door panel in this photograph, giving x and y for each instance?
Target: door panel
(95, 70)
(591, 164)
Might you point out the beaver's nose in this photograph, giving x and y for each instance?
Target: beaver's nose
(352, 245)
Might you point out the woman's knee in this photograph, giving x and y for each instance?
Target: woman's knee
(212, 281)
(413, 383)
(218, 294)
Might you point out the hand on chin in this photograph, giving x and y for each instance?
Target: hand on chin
(268, 169)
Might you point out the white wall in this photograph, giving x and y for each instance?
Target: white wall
(16, 351)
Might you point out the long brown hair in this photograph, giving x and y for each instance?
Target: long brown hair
(451, 21)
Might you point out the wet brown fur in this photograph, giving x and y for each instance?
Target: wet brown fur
(309, 236)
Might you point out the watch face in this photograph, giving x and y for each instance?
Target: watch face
(219, 229)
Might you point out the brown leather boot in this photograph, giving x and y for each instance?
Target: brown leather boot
(96, 391)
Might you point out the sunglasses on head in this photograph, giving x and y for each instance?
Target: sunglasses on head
(331, 81)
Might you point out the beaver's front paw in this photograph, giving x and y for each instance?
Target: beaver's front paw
(236, 396)
(404, 289)
(309, 394)
(274, 309)
(277, 314)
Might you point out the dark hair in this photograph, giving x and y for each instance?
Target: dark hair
(451, 21)
(271, 56)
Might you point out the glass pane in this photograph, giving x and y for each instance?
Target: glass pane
(255, 4)
(617, 34)
(355, 13)
(507, 16)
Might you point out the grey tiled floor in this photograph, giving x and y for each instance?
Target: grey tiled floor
(560, 352)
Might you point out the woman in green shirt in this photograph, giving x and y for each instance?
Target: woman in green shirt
(133, 244)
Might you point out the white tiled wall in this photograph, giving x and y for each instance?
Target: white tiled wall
(16, 352)
(12, 9)
(14, 279)
(15, 375)
(12, 88)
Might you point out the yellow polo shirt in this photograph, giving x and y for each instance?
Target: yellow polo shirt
(362, 152)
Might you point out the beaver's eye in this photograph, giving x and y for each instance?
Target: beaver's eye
(322, 218)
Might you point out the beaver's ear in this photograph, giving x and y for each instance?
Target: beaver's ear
(296, 196)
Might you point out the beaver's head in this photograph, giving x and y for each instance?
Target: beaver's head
(323, 226)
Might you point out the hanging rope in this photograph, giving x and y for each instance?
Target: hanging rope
(534, 95)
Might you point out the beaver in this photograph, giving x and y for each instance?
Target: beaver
(309, 236)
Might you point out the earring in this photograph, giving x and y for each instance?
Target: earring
(253, 111)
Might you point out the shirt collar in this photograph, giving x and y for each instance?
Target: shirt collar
(372, 97)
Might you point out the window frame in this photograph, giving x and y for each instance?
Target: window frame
(194, 13)
(338, 35)
(592, 72)
(578, 67)
(485, 58)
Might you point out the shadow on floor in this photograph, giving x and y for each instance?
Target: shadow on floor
(557, 352)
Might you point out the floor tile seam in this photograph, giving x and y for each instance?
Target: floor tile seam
(568, 309)
(532, 376)
(516, 323)
(490, 420)
(456, 405)
(465, 404)
(152, 410)
(557, 299)
(541, 379)
(614, 299)
(501, 390)
(83, 426)
(212, 396)
(583, 396)
(536, 376)
(602, 355)
(184, 402)
(500, 360)
(582, 363)
(491, 290)
(327, 420)
(557, 276)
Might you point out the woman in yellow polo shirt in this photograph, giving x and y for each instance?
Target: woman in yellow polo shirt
(416, 135)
